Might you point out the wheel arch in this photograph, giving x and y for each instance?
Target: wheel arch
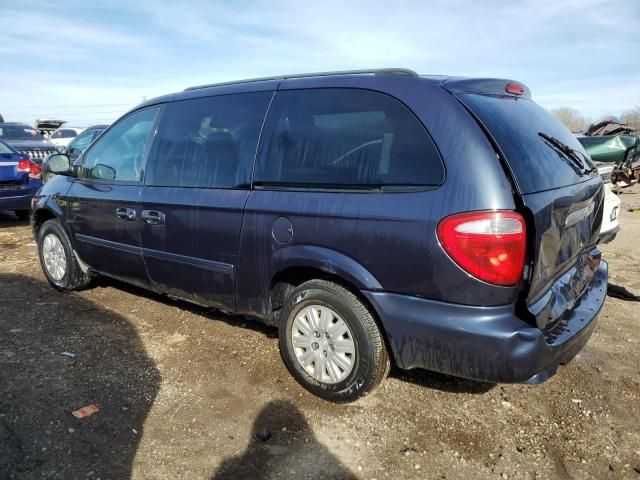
(287, 279)
(51, 211)
(326, 260)
(41, 215)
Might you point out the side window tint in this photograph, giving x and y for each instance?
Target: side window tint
(346, 137)
(117, 156)
(208, 142)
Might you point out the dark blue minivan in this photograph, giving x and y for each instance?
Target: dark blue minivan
(372, 216)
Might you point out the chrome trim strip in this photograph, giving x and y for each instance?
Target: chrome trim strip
(579, 215)
(220, 267)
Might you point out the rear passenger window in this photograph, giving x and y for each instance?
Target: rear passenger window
(346, 138)
(208, 142)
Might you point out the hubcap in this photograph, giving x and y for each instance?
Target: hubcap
(323, 344)
(55, 260)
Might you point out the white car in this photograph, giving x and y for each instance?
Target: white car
(63, 136)
(610, 226)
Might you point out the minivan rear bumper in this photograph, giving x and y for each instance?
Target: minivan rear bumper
(485, 343)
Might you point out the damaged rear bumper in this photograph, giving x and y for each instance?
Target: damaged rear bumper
(485, 343)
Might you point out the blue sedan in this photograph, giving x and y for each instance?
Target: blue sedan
(19, 181)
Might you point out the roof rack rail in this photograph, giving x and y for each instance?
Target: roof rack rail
(378, 71)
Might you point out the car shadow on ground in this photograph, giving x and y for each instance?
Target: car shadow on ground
(207, 312)
(282, 445)
(40, 387)
(9, 220)
(617, 291)
(440, 381)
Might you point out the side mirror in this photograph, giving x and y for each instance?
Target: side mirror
(58, 164)
(103, 172)
(61, 149)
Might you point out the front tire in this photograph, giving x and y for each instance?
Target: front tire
(59, 264)
(331, 343)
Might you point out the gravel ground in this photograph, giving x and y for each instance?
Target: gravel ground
(189, 393)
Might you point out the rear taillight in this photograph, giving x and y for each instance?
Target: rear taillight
(31, 168)
(24, 165)
(490, 245)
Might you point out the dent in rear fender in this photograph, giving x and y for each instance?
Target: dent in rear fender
(327, 260)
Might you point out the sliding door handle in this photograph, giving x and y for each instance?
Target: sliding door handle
(153, 217)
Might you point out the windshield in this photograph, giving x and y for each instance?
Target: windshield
(19, 132)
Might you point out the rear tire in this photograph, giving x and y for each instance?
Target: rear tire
(331, 343)
(59, 263)
(22, 214)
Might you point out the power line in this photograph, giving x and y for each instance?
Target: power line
(63, 114)
(38, 107)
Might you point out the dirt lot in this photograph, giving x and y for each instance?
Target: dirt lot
(189, 393)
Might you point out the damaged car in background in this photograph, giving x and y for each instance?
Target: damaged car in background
(615, 143)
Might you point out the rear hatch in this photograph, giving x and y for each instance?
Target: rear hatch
(557, 188)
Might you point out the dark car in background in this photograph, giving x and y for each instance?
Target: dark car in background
(19, 181)
(373, 217)
(26, 140)
(82, 141)
(75, 148)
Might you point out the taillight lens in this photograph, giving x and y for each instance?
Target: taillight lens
(24, 165)
(35, 171)
(490, 245)
(31, 168)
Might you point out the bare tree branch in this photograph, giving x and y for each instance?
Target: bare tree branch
(572, 118)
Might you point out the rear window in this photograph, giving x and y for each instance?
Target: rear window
(515, 125)
(346, 137)
(64, 134)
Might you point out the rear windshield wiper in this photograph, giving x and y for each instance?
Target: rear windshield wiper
(569, 152)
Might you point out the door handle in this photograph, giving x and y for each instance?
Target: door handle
(153, 217)
(126, 213)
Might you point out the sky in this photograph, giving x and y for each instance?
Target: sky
(90, 62)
